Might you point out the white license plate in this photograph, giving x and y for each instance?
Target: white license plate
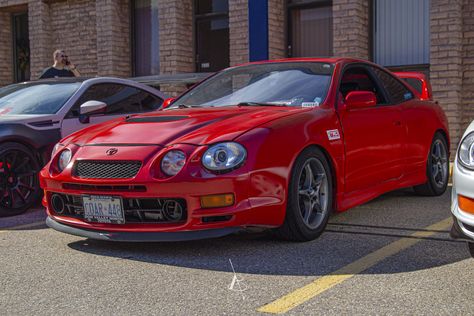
(103, 209)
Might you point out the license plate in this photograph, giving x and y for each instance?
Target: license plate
(103, 209)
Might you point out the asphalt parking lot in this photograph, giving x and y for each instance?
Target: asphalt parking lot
(390, 256)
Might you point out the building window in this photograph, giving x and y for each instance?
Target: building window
(310, 28)
(401, 33)
(212, 34)
(21, 47)
(146, 50)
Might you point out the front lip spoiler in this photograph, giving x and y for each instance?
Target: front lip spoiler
(141, 236)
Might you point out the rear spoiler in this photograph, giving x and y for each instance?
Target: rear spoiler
(419, 82)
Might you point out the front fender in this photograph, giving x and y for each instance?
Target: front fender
(274, 147)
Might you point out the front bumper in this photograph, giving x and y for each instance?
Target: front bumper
(463, 184)
(140, 236)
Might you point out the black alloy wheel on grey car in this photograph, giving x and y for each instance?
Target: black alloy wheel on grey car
(437, 168)
(310, 197)
(19, 184)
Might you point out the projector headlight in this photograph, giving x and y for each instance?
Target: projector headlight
(224, 156)
(173, 162)
(466, 151)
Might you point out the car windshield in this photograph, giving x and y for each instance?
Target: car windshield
(36, 98)
(283, 83)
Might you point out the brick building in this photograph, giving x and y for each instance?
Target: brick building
(150, 37)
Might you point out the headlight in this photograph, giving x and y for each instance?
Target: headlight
(64, 159)
(56, 148)
(173, 162)
(466, 151)
(224, 157)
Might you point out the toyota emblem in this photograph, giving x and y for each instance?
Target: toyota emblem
(111, 151)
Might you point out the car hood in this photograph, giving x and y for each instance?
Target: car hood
(190, 126)
(25, 118)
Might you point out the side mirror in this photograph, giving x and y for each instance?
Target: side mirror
(90, 108)
(167, 103)
(360, 100)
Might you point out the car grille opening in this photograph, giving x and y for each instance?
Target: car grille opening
(105, 188)
(137, 210)
(99, 169)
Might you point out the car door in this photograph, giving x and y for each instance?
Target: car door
(373, 136)
(121, 100)
(414, 155)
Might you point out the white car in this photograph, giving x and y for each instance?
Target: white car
(35, 115)
(462, 198)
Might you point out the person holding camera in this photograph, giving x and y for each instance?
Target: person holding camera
(62, 67)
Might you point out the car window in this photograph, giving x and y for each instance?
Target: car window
(35, 98)
(397, 91)
(359, 79)
(120, 99)
(415, 83)
(283, 83)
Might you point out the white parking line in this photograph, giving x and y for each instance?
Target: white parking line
(324, 283)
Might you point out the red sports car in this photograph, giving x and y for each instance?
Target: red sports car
(277, 144)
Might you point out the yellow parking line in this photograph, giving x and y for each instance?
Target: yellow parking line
(318, 286)
(24, 226)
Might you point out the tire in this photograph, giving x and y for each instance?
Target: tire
(470, 246)
(19, 184)
(437, 168)
(310, 197)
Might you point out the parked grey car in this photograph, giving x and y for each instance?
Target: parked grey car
(35, 115)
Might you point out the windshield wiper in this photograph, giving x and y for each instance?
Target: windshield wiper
(260, 104)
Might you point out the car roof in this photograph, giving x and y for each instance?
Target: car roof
(77, 79)
(84, 81)
(329, 60)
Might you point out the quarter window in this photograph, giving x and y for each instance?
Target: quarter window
(397, 91)
(120, 99)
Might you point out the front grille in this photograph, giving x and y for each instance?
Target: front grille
(137, 210)
(90, 169)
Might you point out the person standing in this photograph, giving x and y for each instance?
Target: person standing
(62, 67)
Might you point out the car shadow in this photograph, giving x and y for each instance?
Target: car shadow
(261, 253)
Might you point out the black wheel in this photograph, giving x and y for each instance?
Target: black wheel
(470, 246)
(437, 169)
(310, 196)
(19, 185)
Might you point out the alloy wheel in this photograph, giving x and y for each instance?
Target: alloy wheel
(18, 179)
(313, 195)
(439, 163)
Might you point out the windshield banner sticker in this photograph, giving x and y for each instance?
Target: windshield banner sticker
(333, 134)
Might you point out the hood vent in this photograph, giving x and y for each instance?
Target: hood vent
(155, 119)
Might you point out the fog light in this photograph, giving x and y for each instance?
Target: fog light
(218, 200)
(466, 204)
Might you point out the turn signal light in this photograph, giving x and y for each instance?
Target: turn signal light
(466, 204)
(220, 200)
